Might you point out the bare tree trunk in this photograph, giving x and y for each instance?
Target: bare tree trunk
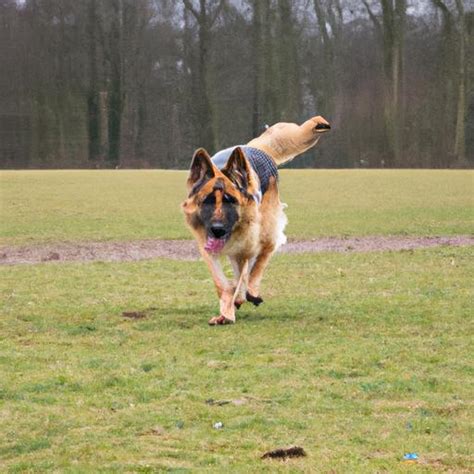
(104, 125)
(204, 114)
(460, 137)
(115, 91)
(141, 122)
(397, 79)
(326, 89)
(392, 31)
(456, 77)
(447, 67)
(271, 107)
(289, 67)
(258, 68)
(93, 94)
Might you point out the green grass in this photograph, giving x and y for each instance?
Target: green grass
(40, 206)
(358, 358)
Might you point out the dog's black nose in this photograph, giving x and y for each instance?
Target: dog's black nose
(217, 230)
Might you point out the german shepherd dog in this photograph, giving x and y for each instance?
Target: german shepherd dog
(233, 208)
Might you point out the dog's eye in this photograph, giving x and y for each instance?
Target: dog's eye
(210, 199)
(229, 199)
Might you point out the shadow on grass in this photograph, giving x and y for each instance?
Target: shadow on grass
(195, 316)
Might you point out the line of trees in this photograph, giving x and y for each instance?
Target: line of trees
(141, 83)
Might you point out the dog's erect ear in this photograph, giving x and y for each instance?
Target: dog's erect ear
(201, 171)
(238, 170)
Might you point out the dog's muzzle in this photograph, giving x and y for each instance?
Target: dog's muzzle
(217, 230)
(217, 238)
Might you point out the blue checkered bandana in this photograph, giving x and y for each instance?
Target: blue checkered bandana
(263, 165)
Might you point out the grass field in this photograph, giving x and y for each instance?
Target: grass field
(358, 358)
(39, 206)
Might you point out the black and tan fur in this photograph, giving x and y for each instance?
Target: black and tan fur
(221, 205)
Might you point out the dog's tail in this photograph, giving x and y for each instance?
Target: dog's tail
(284, 141)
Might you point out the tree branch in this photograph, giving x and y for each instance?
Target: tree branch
(444, 10)
(441, 6)
(460, 7)
(321, 22)
(374, 19)
(190, 7)
(339, 12)
(217, 12)
(333, 20)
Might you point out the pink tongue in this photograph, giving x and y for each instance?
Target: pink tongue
(214, 245)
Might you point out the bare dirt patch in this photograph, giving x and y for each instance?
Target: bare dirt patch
(134, 314)
(187, 250)
(138, 314)
(283, 453)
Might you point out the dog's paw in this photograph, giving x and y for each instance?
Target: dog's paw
(219, 321)
(255, 300)
(238, 303)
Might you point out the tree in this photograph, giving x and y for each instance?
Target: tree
(93, 92)
(460, 138)
(206, 16)
(115, 92)
(289, 69)
(141, 83)
(453, 53)
(391, 30)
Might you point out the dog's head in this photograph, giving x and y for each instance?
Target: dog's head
(216, 197)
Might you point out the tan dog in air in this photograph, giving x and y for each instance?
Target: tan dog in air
(233, 208)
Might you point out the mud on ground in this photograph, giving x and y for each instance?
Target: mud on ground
(187, 250)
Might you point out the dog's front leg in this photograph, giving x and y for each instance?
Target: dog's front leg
(238, 265)
(228, 298)
(225, 291)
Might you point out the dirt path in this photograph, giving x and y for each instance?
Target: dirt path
(186, 249)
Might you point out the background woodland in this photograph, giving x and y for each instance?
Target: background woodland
(142, 83)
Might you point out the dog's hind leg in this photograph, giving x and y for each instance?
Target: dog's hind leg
(272, 236)
(256, 275)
